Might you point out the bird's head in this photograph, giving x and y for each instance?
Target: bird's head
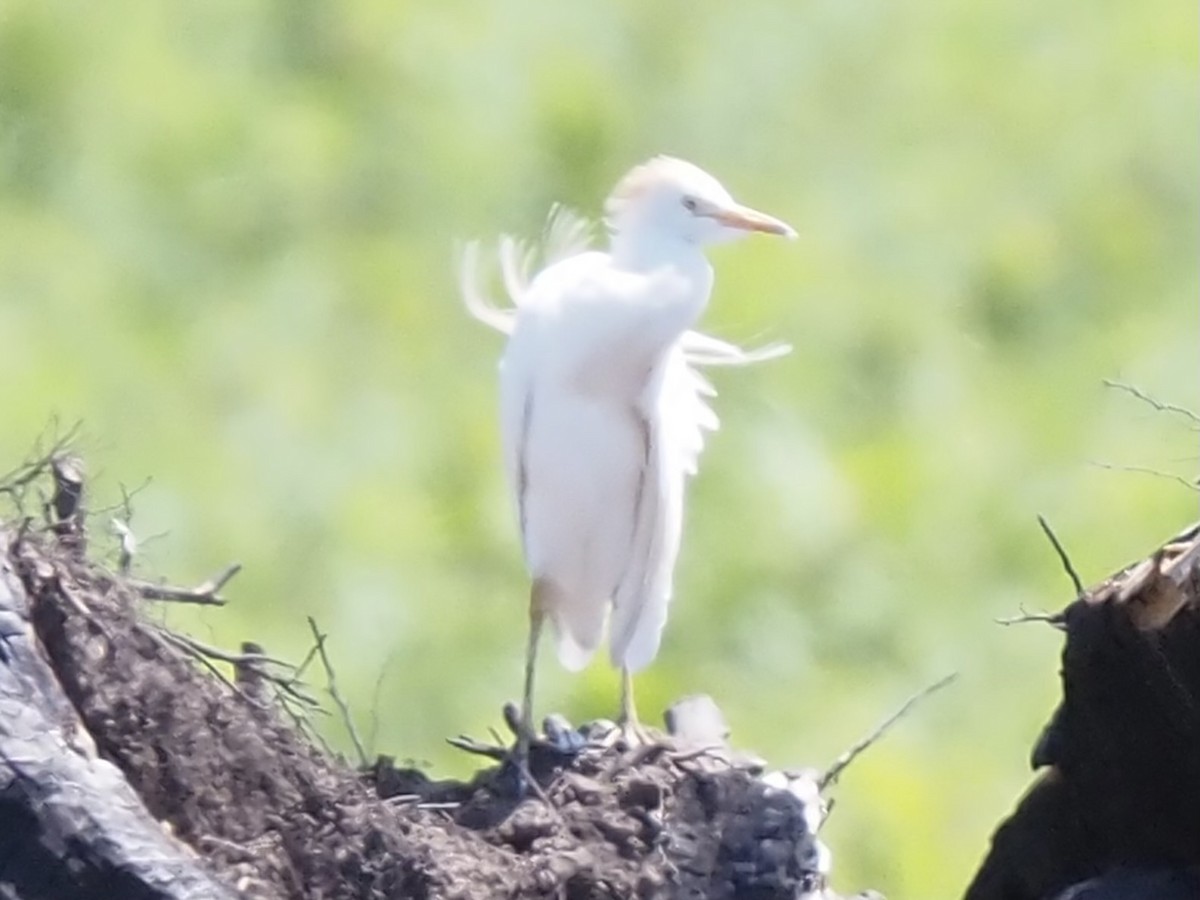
(670, 199)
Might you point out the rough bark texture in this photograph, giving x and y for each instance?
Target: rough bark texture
(70, 825)
(129, 769)
(1116, 803)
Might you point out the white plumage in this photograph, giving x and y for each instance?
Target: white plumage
(603, 411)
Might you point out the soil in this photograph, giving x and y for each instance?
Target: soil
(227, 766)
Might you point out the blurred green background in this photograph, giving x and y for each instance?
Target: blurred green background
(227, 235)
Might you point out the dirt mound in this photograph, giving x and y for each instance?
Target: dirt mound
(228, 769)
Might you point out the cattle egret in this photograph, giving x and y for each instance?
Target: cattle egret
(602, 411)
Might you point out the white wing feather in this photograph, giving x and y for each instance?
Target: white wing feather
(673, 418)
(479, 304)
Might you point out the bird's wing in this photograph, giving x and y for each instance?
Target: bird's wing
(704, 350)
(673, 416)
(692, 415)
(575, 463)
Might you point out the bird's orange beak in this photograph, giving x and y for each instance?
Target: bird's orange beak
(748, 219)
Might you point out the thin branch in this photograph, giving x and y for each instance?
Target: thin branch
(1159, 405)
(306, 662)
(839, 765)
(205, 593)
(298, 713)
(14, 481)
(128, 495)
(289, 688)
(285, 687)
(1146, 470)
(376, 696)
(186, 646)
(235, 659)
(1055, 619)
(125, 505)
(1062, 555)
(470, 745)
(331, 686)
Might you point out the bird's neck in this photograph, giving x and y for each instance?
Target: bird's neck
(644, 250)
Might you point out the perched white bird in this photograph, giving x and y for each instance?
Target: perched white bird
(603, 415)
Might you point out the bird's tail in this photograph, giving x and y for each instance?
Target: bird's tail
(578, 622)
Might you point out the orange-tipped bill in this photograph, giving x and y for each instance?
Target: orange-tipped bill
(748, 219)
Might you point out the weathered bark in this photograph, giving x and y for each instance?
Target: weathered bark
(1118, 795)
(71, 828)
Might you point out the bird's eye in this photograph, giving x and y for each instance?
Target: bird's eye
(689, 203)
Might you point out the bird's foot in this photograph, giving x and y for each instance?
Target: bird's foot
(516, 760)
(556, 745)
(632, 734)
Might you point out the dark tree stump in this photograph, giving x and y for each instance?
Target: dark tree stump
(1118, 796)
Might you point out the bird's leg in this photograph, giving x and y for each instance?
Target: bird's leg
(632, 731)
(537, 617)
(628, 707)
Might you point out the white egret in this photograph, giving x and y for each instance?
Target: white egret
(602, 413)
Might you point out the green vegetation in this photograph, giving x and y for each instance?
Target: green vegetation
(226, 244)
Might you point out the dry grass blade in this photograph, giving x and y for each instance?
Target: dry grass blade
(331, 686)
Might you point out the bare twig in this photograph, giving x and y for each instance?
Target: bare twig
(290, 688)
(1159, 405)
(204, 659)
(1055, 619)
(291, 685)
(128, 495)
(234, 659)
(250, 660)
(298, 713)
(1062, 555)
(14, 482)
(1146, 470)
(331, 686)
(402, 799)
(470, 745)
(839, 765)
(205, 593)
(124, 506)
(376, 695)
(68, 592)
(306, 662)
